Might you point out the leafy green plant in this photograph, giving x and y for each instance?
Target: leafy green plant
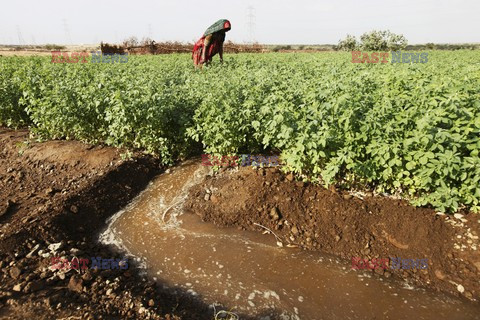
(405, 129)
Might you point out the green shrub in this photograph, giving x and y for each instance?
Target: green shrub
(409, 129)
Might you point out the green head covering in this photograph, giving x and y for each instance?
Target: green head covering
(222, 24)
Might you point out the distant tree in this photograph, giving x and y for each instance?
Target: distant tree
(130, 42)
(431, 46)
(374, 41)
(396, 42)
(146, 41)
(54, 47)
(350, 43)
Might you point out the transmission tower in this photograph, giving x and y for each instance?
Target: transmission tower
(251, 22)
(68, 37)
(20, 37)
(150, 33)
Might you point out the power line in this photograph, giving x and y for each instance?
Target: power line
(67, 32)
(251, 22)
(150, 33)
(20, 37)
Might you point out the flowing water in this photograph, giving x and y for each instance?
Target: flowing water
(247, 272)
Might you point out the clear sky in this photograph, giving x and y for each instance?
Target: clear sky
(274, 21)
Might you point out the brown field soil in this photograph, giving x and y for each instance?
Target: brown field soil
(23, 53)
(330, 221)
(9, 51)
(55, 197)
(62, 192)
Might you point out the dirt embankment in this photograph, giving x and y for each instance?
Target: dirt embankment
(54, 200)
(348, 226)
(56, 196)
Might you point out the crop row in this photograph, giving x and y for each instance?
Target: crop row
(407, 129)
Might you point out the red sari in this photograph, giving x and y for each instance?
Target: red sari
(213, 48)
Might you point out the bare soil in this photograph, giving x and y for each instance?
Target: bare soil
(56, 196)
(336, 222)
(62, 192)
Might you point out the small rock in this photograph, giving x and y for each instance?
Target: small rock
(439, 274)
(365, 251)
(275, 214)
(17, 287)
(48, 302)
(337, 238)
(87, 277)
(214, 199)
(54, 247)
(458, 216)
(379, 271)
(75, 251)
(15, 272)
(109, 292)
(151, 303)
(294, 231)
(460, 288)
(33, 251)
(207, 197)
(477, 264)
(75, 283)
(290, 177)
(347, 196)
(34, 286)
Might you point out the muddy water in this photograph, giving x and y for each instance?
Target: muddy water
(247, 272)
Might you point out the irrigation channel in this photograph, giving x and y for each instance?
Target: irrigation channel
(247, 273)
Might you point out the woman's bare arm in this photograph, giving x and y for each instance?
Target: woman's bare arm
(206, 43)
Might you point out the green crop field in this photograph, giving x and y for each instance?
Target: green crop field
(409, 129)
